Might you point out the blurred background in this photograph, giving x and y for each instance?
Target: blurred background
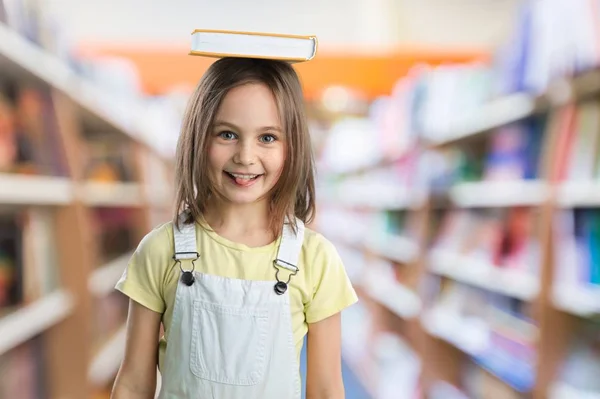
(457, 145)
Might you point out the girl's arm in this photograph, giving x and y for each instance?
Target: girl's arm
(324, 360)
(137, 376)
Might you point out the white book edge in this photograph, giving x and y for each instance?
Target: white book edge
(255, 45)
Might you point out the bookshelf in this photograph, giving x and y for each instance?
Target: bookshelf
(500, 289)
(444, 331)
(77, 192)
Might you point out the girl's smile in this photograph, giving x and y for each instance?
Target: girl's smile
(243, 179)
(247, 149)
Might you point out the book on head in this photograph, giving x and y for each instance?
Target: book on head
(223, 43)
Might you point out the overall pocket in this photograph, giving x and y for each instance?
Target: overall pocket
(229, 343)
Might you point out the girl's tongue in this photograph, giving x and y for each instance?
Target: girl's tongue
(243, 181)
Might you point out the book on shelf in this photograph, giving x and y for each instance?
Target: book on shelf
(550, 40)
(30, 142)
(23, 371)
(578, 143)
(226, 43)
(3, 16)
(110, 314)
(514, 151)
(28, 258)
(581, 366)
(115, 230)
(11, 261)
(496, 331)
(108, 160)
(576, 243)
(503, 238)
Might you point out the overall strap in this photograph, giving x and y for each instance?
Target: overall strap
(290, 246)
(185, 238)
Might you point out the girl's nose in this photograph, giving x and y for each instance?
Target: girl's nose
(245, 155)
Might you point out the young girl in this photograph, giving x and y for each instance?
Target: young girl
(236, 279)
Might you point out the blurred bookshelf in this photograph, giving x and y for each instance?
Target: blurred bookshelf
(82, 179)
(464, 204)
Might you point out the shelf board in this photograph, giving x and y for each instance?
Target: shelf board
(579, 193)
(509, 282)
(158, 196)
(448, 327)
(374, 197)
(561, 390)
(518, 106)
(21, 58)
(394, 247)
(106, 363)
(399, 299)
(111, 194)
(581, 300)
(379, 164)
(18, 189)
(33, 319)
(102, 280)
(467, 334)
(500, 193)
(495, 114)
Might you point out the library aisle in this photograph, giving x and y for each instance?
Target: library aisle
(460, 188)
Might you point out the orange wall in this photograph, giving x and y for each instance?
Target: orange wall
(373, 75)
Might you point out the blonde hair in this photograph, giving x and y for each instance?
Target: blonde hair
(294, 193)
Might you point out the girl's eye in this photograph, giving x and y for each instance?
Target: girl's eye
(227, 135)
(268, 138)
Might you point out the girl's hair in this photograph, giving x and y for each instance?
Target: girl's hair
(294, 192)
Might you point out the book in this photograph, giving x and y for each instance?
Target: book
(225, 43)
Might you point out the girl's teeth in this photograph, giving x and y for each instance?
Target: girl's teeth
(248, 177)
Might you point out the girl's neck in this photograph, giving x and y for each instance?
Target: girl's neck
(245, 224)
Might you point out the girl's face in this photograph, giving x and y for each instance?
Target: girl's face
(247, 146)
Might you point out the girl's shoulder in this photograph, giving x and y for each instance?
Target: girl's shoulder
(316, 247)
(158, 242)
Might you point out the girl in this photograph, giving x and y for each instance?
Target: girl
(236, 279)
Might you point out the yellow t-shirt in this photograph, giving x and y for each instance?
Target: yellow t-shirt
(320, 289)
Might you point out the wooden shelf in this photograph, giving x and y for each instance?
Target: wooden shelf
(24, 60)
(33, 319)
(105, 364)
(78, 108)
(102, 280)
(513, 283)
(35, 190)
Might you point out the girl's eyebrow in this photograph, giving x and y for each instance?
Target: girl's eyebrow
(233, 126)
